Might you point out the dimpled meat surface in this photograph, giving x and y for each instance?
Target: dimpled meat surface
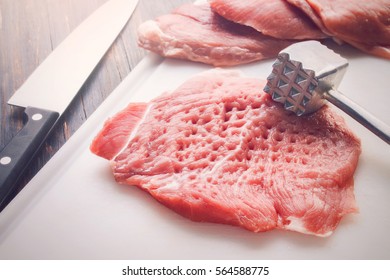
(218, 149)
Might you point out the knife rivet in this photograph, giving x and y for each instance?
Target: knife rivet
(5, 160)
(37, 117)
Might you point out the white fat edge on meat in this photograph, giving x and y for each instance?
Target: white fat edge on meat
(296, 224)
(151, 26)
(172, 185)
(167, 44)
(150, 29)
(134, 132)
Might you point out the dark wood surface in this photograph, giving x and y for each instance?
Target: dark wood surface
(29, 31)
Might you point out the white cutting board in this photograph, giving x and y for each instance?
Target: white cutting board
(73, 209)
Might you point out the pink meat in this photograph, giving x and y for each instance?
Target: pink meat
(194, 32)
(363, 24)
(218, 149)
(275, 18)
(110, 141)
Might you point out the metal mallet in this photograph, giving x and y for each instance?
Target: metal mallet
(306, 75)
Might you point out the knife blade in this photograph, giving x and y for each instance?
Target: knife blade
(52, 86)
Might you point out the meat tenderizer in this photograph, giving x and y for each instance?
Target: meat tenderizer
(306, 75)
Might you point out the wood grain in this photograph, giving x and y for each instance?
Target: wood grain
(30, 30)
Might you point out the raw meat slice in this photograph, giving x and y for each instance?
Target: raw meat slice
(113, 138)
(275, 18)
(194, 32)
(218, 149)
(363, 24)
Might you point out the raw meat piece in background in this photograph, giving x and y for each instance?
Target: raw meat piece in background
(363, 24)
(196, 33)
(275, 18)
(218, 149)
(219, 37)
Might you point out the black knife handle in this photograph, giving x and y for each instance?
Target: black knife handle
(17, 154)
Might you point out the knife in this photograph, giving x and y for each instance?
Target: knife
(52, 86)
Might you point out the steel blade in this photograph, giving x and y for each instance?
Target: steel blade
(53, 85)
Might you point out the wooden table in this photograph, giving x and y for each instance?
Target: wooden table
(29, 31)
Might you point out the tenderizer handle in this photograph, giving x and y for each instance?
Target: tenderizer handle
(373, 124)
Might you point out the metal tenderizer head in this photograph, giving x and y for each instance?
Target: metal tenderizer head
(302, 74)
